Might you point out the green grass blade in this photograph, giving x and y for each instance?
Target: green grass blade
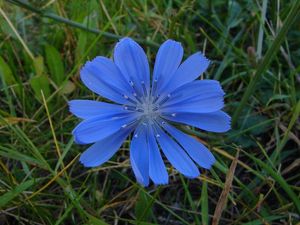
(55, 64)
(189, 198)
(10, 195)
(204, 204)
(295, 117)
(278, 178)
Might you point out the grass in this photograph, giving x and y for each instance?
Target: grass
(254, 47)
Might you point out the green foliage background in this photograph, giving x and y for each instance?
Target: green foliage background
(254, 48)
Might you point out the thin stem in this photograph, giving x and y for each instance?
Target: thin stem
(261, 29)
(71, 23)
(17, 34)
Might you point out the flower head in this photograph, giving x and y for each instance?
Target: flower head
(147, 107)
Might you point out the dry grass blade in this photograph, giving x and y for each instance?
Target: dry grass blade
(54, 178)
(223, 197)
(291, 167)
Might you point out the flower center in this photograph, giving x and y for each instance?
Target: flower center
(145, 103)
(149, 110)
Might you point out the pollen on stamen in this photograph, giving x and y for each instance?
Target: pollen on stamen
(128, 99)
(154, 86)
(144, 88)
(131, 108)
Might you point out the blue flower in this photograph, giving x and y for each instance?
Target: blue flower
(148, 108)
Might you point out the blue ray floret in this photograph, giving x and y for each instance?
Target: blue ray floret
(147, 107)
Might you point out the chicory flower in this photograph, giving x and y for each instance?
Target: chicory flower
(147, 107)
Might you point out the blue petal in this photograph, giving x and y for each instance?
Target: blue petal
(176, 155)
(86, 109)
(167, 60)
(96, 128)
(139, 155)
(196, 150)
(216, 121)
(133, 63)
(103, 77)
(103, 150)
(157, 169)
(201, 96)
(199, 89)
(188, 71)
(207, 105)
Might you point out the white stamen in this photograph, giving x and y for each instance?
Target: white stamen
(144, 88)
(154, 86)
(165, 99)
(129, 99)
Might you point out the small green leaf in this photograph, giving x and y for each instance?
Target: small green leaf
(8, 77)
(39, 66)
(84, 38)
(6, 72)
(234, 10)
(55, 64)
(81, 45)
(39, 83)
(143, 207)
(68, 87)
